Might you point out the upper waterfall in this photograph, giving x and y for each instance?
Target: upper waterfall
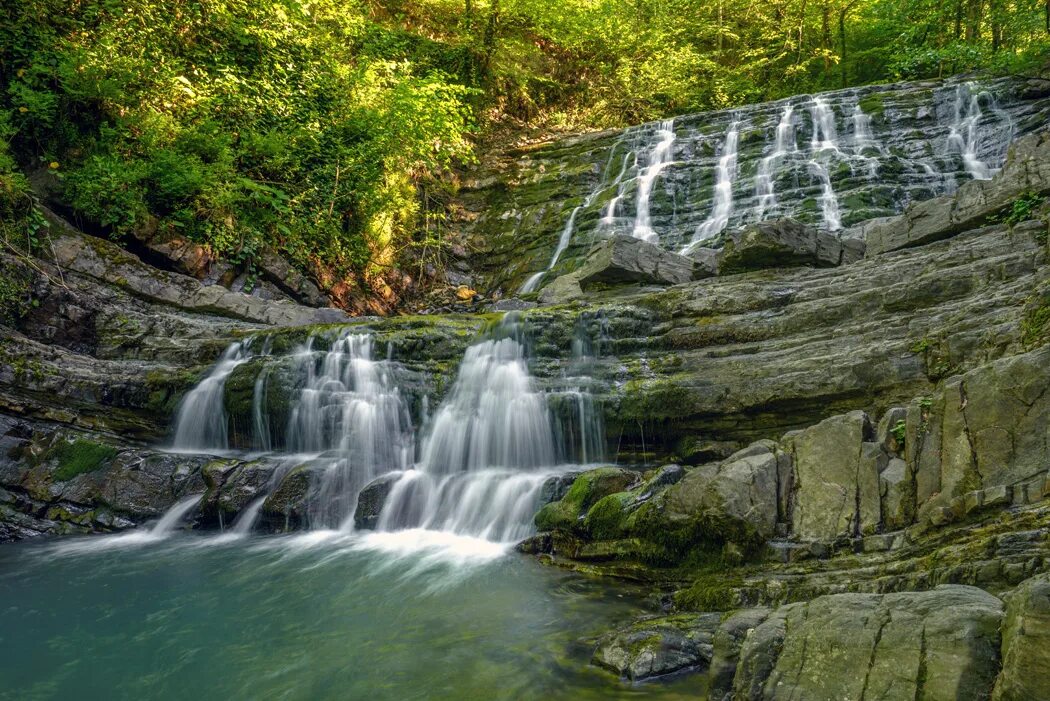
(832, 160)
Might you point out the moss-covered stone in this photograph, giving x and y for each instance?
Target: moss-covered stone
(586, 490)
(77, 457)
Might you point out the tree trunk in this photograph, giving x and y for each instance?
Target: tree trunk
(842, 43)
(825, 34)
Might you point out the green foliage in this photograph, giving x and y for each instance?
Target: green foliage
(240, 125)
(899, 431)
(15, 292)
(76, 457)
(1023, 208)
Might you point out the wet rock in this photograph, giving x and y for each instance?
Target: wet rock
(1027, 169)
(625, 259)
(780, 243)
(287, 506)
(939, 644)
(659, 646)
(371, 499)
(1026, 643)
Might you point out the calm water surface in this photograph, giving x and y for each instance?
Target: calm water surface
(409, 615)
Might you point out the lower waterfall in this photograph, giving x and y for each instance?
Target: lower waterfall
(475, 467)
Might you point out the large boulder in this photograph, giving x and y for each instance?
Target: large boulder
(733, 501)
(940, 645)
(726, 644)
(837, 490)
(1027, 169)
(782, 243)
(1026, 643)
(624, 259)
(658, 646)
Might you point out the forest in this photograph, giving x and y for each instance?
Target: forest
(333, 131)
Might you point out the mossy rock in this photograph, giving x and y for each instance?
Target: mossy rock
(586, 491)
(77, 457)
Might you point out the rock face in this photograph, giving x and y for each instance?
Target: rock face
(1026, 643)
(658, 647)
(1027, 170)
(941, 644)
(107, 262)
(782, 243)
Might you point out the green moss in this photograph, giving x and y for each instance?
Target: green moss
(873, 104)
(605, 519)
(714, 592)
(78, 457)
(587, 490)
(1035, 325)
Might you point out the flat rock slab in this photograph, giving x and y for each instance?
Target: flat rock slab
(626, 260)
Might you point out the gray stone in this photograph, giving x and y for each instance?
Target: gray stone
(779, 243)
(371, 499)
(727, 643)
(940, 645)
(659, 646)
(833, 479)
(1025, 674)
(624, 259)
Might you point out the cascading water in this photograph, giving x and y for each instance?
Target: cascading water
(966, 136)
(784, 143)
(490, 448)
(609, 217)
(824, 147)
(201, 424)
(351, 412)
(725, 175)
(824, 136)
(659, 158)
(829, 203)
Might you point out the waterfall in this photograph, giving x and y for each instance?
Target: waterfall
(659, 158)
(201, 424)
(493, 416)
(824, 137)
(533, 283)
(725, 174)
(965, 135)
(829, 202)
(563, 242)
(351, 411)
(784, 143)
(610, 209)
(490, 448)
(862, 134)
